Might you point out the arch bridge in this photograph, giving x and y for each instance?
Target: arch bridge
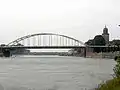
(46, 40)
(43, 41)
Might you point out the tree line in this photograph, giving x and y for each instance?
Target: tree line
(100, 41)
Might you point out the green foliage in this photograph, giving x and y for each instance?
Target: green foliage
(115, 42)
(113, 84)
(89, 42)
(117, 67)
(99, 40)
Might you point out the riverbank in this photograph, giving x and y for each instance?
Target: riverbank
(109, 55)
(113, 84)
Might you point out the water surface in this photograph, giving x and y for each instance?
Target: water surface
(53, 72)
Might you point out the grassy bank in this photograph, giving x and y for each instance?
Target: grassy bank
(113, 84)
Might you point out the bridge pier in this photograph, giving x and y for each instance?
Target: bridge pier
(6, 53)
(85, 52)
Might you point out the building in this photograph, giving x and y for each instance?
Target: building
(105, 35)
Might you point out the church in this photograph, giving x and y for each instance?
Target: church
(105, 35)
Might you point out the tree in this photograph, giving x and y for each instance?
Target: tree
(117, 67)
(115, 43)
(89, 42)
(99, 40)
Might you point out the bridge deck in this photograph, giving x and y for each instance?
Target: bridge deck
(52, 47)
(41, 47)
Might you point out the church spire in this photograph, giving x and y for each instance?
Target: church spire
(105, 26)
(105, 34)
(105, 30)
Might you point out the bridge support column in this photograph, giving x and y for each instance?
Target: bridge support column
(85, 52)
(6, 53)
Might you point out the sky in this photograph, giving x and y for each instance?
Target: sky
(80, 19)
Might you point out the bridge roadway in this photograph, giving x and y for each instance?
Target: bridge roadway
(7, 49)
(41, 47)
(52, 47)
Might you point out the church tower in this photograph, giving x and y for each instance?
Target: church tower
(105, 35)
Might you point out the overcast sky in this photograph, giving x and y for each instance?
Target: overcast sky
(81, 19)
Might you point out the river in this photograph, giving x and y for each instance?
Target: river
(53, 72)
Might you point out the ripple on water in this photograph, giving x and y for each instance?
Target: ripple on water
(53, 73)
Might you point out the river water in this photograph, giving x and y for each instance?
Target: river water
(53, 72)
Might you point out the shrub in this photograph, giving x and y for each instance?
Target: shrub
(113, 84)
(117, 67)
(109, 85)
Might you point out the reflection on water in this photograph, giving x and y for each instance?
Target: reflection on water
(53, 72)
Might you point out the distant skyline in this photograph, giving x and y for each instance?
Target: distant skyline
(80, 19)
